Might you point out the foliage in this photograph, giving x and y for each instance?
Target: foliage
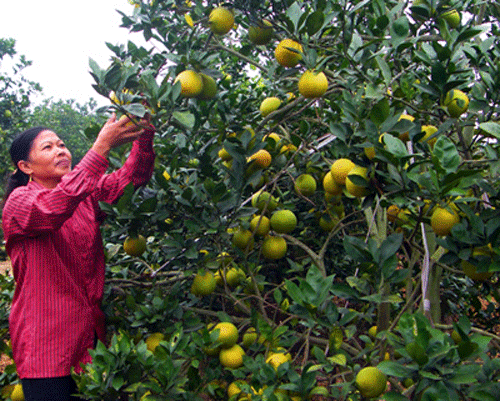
(382, 59)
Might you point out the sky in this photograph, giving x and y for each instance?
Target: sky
(59, 37)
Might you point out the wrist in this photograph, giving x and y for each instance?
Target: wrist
(101, 149)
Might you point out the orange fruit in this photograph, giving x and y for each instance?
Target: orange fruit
(209, 89)
(269, 105)
(283, 221)
(358, 191)
(456, 102)
(330, 185)
(203, 284)
(371, 382)
(443, 220)
(340, 169)
(305, 184)
(135, 246)
(261, 159)
(313, 84)
(232, 357)
(274, 247)
(287, 57)
(191, 83)
(220, 20)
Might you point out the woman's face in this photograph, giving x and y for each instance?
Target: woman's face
(48, 161)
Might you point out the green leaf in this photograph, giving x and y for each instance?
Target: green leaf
(395, 369)
(185, 118)
(395, 146)
(338, 359)
(389, 247)
(469, 33)
(491, 128)
(399, 30)
(385, 69)
(315, 22)
(447, 154)
(380, 112)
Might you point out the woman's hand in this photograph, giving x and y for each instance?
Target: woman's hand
(115, 133)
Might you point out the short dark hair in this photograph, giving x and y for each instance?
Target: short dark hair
(19, 150)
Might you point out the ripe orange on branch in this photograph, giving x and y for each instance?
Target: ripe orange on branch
(191, 83)
(313, 84)
(288, 53)
(340, 169)
(261, 159)
(221, 20)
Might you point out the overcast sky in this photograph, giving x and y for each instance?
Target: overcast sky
(59, 37)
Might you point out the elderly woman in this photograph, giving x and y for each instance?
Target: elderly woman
(51, 221)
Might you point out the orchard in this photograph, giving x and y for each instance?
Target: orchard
(323, 221)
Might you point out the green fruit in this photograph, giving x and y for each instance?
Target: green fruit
(283, 221)
(371, 382)
(260, 34)
(7, 114)
(203, 284)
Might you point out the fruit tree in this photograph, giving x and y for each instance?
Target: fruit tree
(304, 254)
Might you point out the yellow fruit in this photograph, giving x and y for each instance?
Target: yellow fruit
(358, 191)
(274, 247)
(224, 155)
(191, 83)
(369, 152)
(330, 185)
(260, 225)
(234, 388)
(269, 105)
(392, 213)
(243, 238)
(371, 382)
(456, 102)
(221, 20)
(340, 169)
(17, 394)
(115, 100)
(250, 337)
(405, 136)
(261, 34)
(234, 277)
(261, 159)
(228, 334)
(372, 331)
(263, 199)
(287, 57)
(153, 340)
(203, 284)
(283, 221)
(209, 89)
(231, 357)
(274, 136)
(305, 185)
(470, 269)
(443, 219)
(134, 246)
(429, 130)
(452, 17)
(276, 359)
(313, 84)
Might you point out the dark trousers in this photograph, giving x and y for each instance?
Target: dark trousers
(50, 389)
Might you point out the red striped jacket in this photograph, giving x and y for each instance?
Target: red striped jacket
(53, 239)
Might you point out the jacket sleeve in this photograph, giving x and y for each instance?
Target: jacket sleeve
(137, 169)
(31, 211)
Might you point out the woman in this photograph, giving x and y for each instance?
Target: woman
(51, 221)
